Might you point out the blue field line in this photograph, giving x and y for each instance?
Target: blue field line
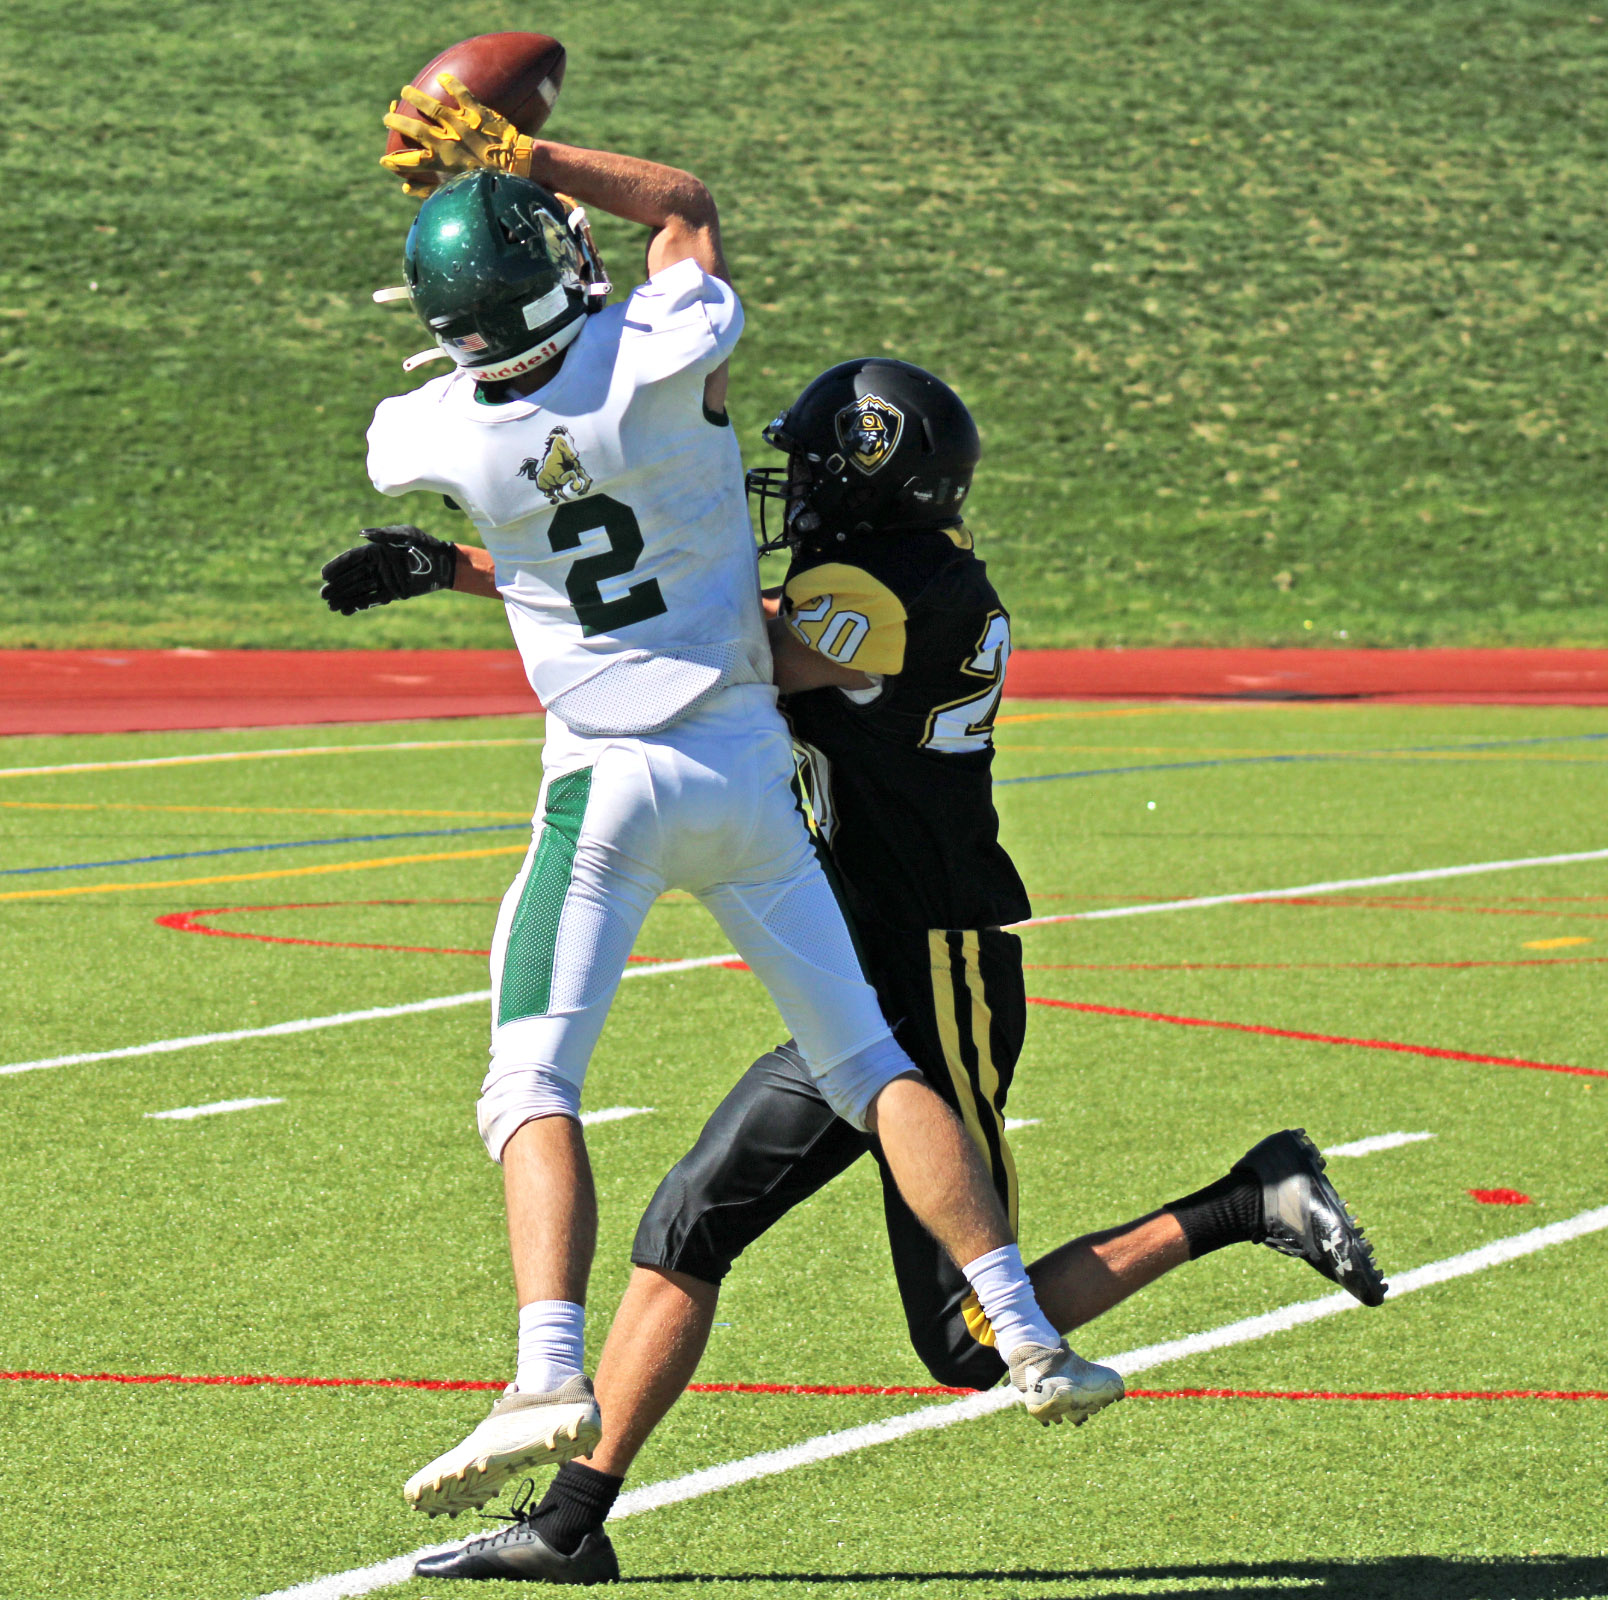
(246, 849)
(1303, 755)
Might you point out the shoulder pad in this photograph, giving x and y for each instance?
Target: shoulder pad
(848, 616)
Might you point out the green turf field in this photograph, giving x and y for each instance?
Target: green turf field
(353, 1228)
(1284, 322)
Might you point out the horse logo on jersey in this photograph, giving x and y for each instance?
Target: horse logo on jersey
(869, 431)
(558, 472)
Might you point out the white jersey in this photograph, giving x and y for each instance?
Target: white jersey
(613, 507)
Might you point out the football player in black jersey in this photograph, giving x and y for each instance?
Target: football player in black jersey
(890, 646)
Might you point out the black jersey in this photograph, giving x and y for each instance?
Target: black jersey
(900, 776)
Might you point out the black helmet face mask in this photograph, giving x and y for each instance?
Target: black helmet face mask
(791, 487)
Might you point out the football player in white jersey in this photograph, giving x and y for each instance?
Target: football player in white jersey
(589, 446)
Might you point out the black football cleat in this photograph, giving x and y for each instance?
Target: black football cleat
(520, 1552)
(1303, 1216)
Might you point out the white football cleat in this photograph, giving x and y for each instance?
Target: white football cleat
(1057, 1383)
(523, 1431)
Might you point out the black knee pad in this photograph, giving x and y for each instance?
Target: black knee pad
(679, 1232)
(772, 1142)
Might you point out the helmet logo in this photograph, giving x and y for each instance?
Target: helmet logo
(869, 431)
(558, 472)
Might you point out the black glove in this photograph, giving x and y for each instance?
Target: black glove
(397, 563)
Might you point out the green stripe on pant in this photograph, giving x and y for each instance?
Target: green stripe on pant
(527, 974)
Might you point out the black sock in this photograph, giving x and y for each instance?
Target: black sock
(1226, 1212)
(577, 1502)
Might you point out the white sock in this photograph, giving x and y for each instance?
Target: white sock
(552, 1344)
(1001, 1284)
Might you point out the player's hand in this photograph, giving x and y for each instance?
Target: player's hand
(454, 139)
(397, 563)
(418, 182)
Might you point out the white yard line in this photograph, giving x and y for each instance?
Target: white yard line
(302, 1025)
(590, 1119)
(214, 1108)
(384, 1575)
(1013, 1123)
(1380, 1141)
(1197, 903)
(336, 1020)
(259, 755)
(1428, 875)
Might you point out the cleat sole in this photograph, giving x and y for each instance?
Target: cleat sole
(482, 1479)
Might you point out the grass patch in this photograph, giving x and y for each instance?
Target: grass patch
(1283, 324)
(355, 1230)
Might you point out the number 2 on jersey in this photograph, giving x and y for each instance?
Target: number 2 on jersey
(969, 724)
(570, 525)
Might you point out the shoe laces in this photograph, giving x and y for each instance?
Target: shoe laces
(521, 1514)
(523, 1507)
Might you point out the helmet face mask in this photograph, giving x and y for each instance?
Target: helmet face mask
(873, 446)
(501, 274)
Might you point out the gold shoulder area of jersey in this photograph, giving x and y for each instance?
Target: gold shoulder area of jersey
(557, 471)
(848, 616)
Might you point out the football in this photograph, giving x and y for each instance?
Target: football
(517, 74)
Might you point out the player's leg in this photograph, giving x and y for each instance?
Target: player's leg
(1276, 1194)
(784, 920)
(771, 1143)
(962, 1015)
(564, 932)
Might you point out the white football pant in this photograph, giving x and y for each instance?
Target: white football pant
(706, 805)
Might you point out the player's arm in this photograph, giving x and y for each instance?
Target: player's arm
(674, 205)
(834, 625)
(400, 562)
(798, 668)
(476, 572)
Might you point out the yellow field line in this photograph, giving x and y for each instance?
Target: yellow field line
(260, 755)
(1180, 708)
(254, 811)
(256, 877)
(1205, 752)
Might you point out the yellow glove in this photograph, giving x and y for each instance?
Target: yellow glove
(416, 185)
(454, 139)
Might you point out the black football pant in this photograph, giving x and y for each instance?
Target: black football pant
(956, 1003)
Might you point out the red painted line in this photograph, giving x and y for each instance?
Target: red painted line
(1500, 1197)
(1367, 1394)
(189, 922)
(1319, 1038)
(1304, 966)
(1419, 904)
(259, 1380)
(824, 1388)
(246, 1380)
(262, 1380)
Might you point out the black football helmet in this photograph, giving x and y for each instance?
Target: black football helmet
(873, 446)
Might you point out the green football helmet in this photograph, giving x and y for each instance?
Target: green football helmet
(502, 274)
